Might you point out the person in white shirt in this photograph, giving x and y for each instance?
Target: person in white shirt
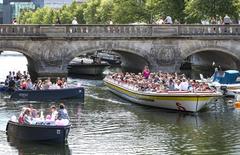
(54, 113)
(168, 20)
(183, 85)
(74, 21)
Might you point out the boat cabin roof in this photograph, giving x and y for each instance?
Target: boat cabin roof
(227, 77)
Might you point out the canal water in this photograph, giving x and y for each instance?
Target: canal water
(107, 124)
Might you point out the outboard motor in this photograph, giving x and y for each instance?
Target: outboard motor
(224, 89)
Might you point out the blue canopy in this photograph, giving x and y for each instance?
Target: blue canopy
(226, 77)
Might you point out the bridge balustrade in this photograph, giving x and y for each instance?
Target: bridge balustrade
(209, 30)
(116, 31)
(109, 30)
(19, 30)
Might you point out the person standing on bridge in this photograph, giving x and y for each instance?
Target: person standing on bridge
(227, 20)
(168, 20)
(74, 22)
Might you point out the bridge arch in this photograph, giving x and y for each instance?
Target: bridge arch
(192, 51)
(132, 58)
(227, 58)
(31, 66)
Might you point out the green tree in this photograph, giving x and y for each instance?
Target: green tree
(25, 17)
(79, 13)
(129, 11)
(104, 11)
(90, 11)
(66, 15)
(163, 8)
(200, 9)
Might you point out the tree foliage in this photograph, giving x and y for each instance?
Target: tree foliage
(206, 9)
(128, 11)
(131, 11)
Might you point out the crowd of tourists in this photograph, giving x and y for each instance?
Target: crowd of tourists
(23, 81)
(226, 20)
(158, 82)
(29, 115)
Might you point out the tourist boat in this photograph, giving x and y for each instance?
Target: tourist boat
(176, 100)
(86, 66)
(49, 94)
(108, 56)
(46, 133)
(226, 81)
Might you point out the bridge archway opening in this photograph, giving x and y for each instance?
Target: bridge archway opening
(14, 61)
(129, 61)
(206, 61)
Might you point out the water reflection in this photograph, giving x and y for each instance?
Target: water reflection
(162, 116)
(38, 148)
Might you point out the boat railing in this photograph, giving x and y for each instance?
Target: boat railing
(131, 87)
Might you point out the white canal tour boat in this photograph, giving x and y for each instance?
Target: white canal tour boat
(175, 100)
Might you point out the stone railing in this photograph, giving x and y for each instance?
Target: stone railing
(117, 31)
(208, 30)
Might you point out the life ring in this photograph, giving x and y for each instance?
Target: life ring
(237, 105)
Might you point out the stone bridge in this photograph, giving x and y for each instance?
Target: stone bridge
(50, 48)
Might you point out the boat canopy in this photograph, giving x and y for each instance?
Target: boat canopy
(227, 77)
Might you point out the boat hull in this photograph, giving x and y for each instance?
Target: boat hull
(55, 134)
(49, 94)
(87, 69)
(191, 102)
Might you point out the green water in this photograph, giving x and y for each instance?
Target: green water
(107, 124)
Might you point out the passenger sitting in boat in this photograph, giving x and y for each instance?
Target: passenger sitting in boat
(17, 83)
(23, 84)
(62, 112)
(19, 75)
(11, 84)
(25, 75)
(146, 72)
(29, 84)
(45, 85)
(27, 117)
(59, 82)
(64, 83)
(170, 84)
(183, 86)
(49, 82)
(6, 81)
(190, 85)
(54, 113)
(39, 85)
(62, 117)
(177, 85)
(20, 118)
(33, 112)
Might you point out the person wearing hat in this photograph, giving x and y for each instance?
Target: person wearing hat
(33, 112)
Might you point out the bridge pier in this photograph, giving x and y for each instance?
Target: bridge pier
(41, 70)
(164, 58)
(50, 59)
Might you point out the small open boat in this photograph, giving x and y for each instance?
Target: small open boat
(226, 81)
(176, 100)
(86, 66)
(48, 94)
(46, 133)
